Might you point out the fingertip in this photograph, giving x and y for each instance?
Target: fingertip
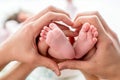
(58, 73)
(60, 67)
(52, 65)
(68, 21)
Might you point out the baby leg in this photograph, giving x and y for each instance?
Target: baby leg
(86, 40)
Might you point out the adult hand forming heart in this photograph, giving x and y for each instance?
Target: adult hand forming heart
(22, 46)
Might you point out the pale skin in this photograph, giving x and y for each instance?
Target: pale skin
(19, 72)
(103, 64)
(57, 41)
(106, 39)
(12, 49)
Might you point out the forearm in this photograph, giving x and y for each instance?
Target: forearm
(4, 56)
(19, 72)
(115, 75)
(90, 77)
(114, 72)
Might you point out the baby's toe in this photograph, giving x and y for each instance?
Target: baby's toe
(53, 26)
(94, 40)
(85, 27)
(43, 33)
(42, 38)
(95, 34)
(89, 33)
(47, 29)
(49, 37)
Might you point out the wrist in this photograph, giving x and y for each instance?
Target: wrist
(114, 72)
(5, 56)
(19, 72)
(90, 76)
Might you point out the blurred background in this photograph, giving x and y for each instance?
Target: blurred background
(14, 12)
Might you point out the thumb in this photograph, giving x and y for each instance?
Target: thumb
(46, 62)
(73, 64)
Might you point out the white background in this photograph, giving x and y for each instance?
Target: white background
(110, 9)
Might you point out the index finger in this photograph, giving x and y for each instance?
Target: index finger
(48, 9)
(66, 30)
(105, 25)
(93, 20)
(48, 18)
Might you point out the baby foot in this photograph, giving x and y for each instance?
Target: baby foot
(42, 45)
(60, 47)
(86, 40)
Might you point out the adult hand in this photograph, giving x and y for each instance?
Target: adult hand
(105, 59)
(22, 45)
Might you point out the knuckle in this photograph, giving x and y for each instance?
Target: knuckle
(94, 17)
(95, 13)
(50, 14)
(51, 8)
